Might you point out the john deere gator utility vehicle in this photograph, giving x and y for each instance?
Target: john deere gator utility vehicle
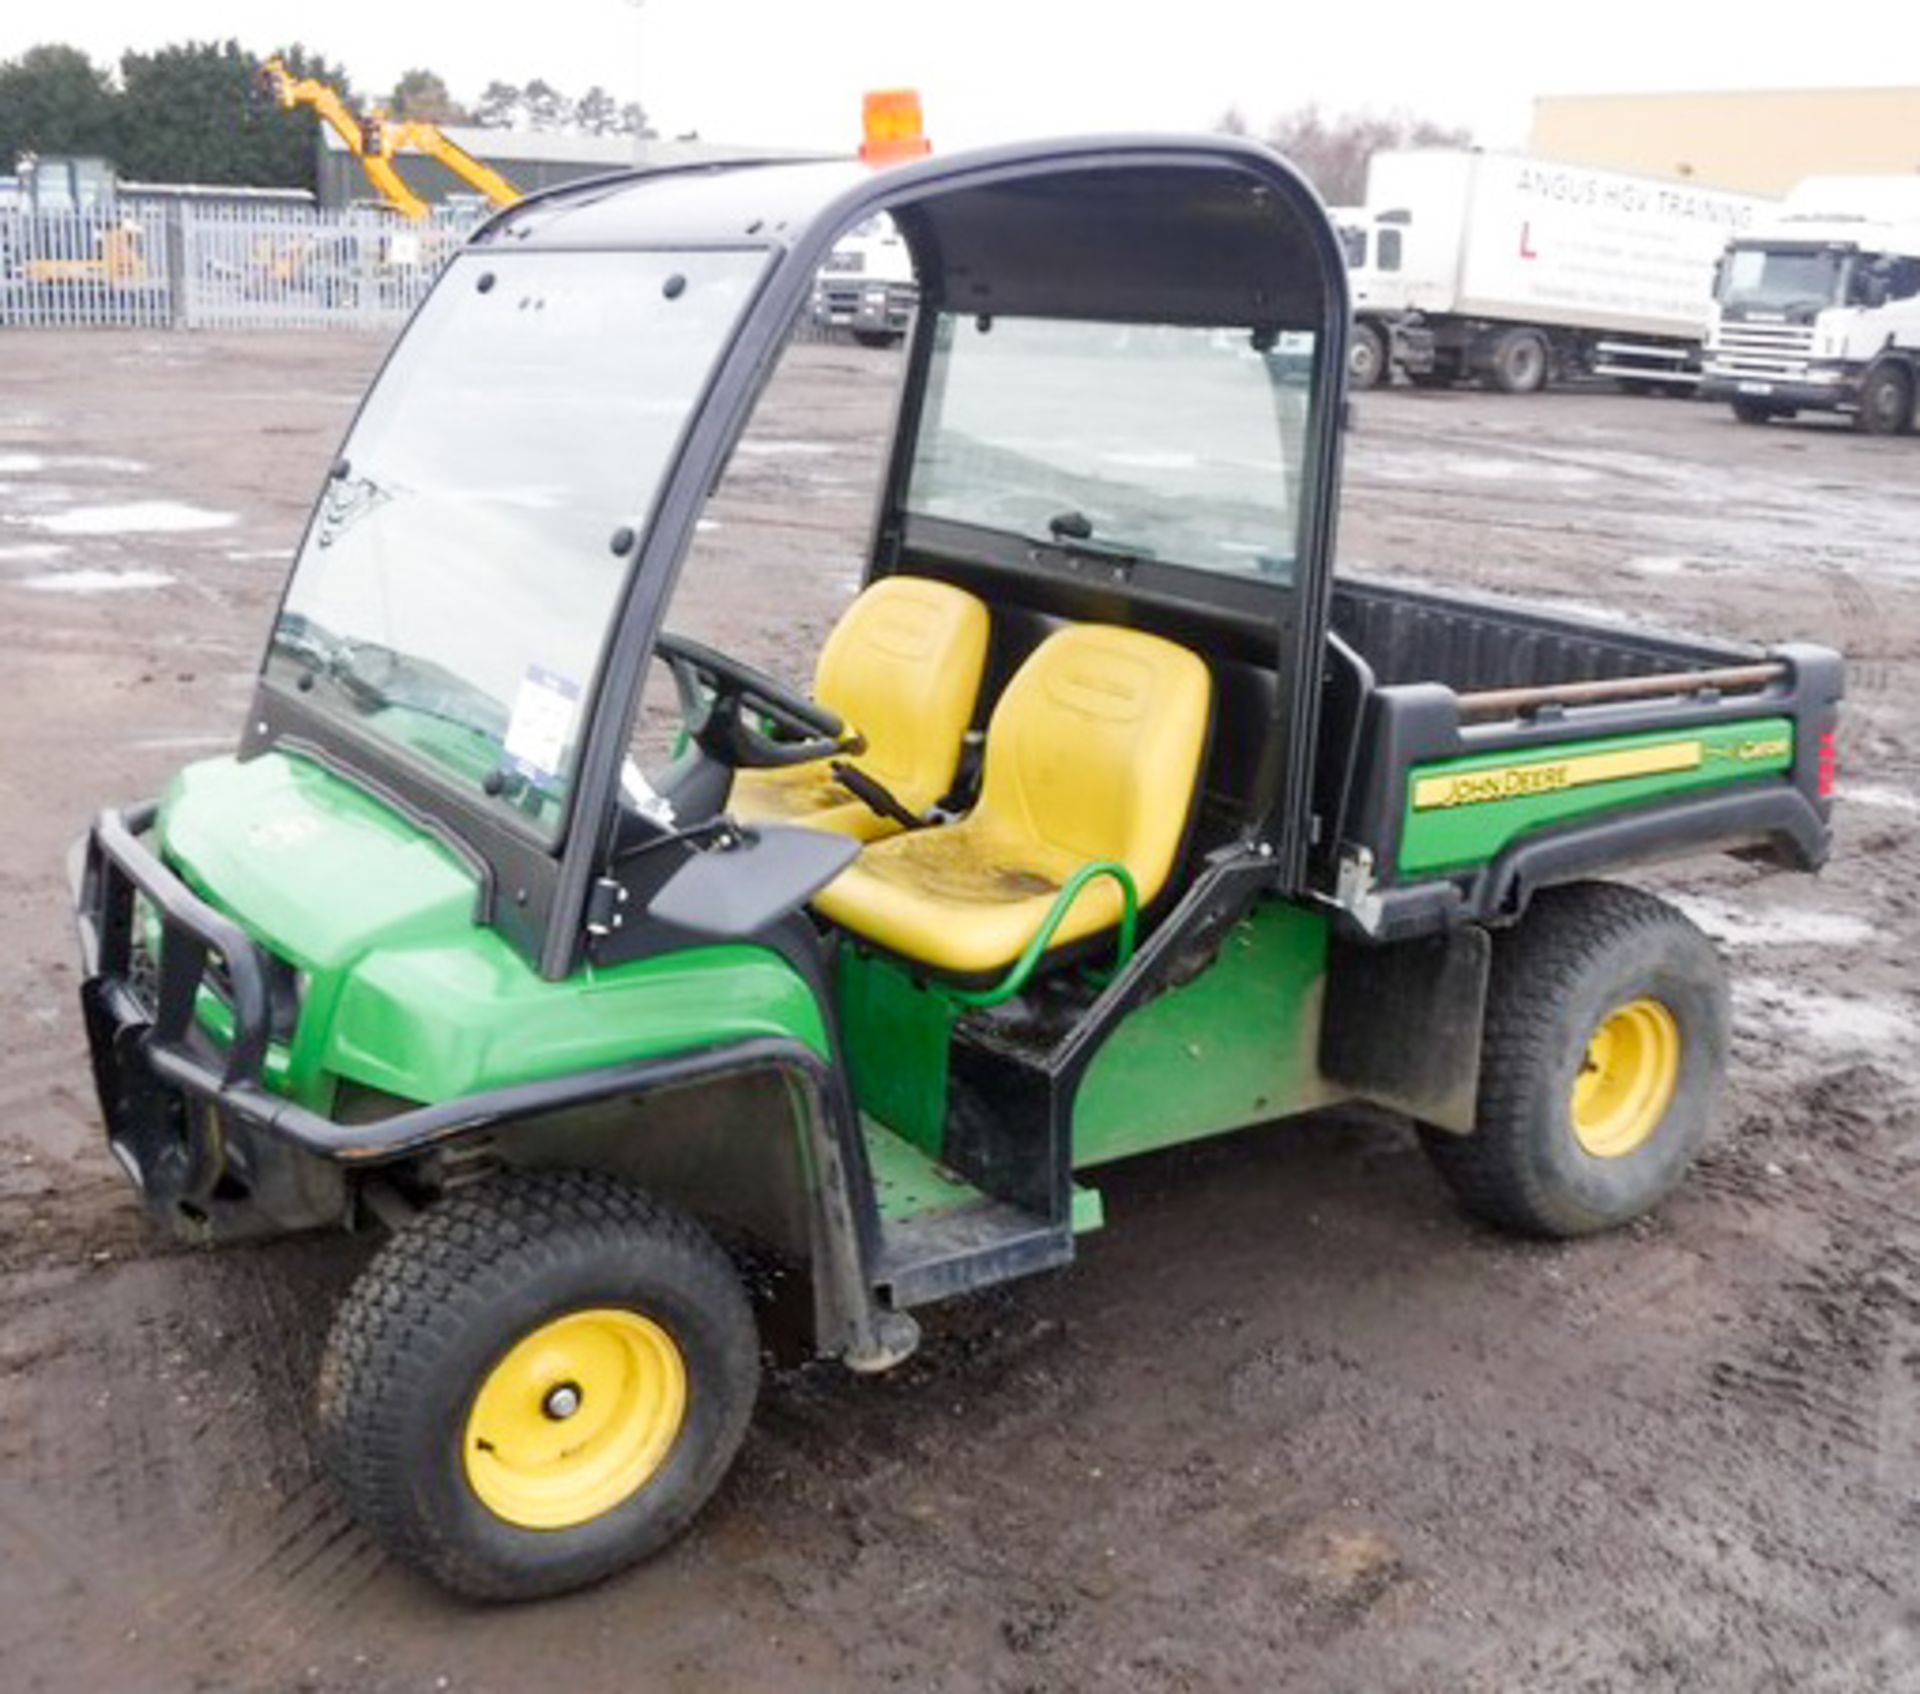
(1111, 821)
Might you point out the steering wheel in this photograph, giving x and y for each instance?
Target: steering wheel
(719, 696)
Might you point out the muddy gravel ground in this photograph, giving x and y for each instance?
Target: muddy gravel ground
(1289, 1422)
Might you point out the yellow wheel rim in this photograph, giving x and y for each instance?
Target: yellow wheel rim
(1627, 1079)
(575, 1418)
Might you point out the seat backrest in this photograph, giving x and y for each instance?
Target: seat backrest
(903, 667)
(1095, 747)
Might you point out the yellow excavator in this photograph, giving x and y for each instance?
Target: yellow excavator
(374, 141)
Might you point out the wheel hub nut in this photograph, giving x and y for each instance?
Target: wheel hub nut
(561, 1402)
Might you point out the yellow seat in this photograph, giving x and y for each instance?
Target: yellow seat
(903, 667)
(1093, 752)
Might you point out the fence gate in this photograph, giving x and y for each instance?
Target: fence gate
(220, 266)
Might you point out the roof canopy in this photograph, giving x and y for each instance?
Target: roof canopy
(1205, 231)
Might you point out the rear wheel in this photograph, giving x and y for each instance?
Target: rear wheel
(1366, 357)
(1518, 362)
(1886, 401)
(537, 1382)
(1606, 1040)
(876, 337)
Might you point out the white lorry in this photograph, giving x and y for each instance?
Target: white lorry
(1818, 309)
(867, 285)
(1512, 270)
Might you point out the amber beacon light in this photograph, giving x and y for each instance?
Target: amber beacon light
(891, 127)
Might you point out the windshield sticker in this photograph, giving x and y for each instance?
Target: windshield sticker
(541, 727)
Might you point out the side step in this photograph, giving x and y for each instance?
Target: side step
(975, 1245)
(940, 1236)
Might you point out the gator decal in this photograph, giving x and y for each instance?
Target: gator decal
(1463, 811)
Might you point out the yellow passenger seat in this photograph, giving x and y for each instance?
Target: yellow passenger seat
(1094, 752)
(902, 667)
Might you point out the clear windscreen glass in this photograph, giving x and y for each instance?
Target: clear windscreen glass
(1782, 279)
(454, 591)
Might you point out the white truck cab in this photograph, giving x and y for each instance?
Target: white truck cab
(1387, 334)
(867, 285)
(1819, 308)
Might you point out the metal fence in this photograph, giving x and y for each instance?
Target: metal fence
(220, 266)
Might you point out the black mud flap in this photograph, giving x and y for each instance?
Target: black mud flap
(1404, 1023)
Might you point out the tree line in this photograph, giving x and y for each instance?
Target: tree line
(1332, 150)
(196, 111)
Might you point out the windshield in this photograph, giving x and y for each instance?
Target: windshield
(454, 589)
(1781, 279)
(1152, 441)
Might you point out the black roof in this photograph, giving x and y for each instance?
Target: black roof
(1205, 229)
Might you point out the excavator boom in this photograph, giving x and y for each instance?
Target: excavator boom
(374, 142)
(417, 136)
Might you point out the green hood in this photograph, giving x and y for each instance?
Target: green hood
(402, 991)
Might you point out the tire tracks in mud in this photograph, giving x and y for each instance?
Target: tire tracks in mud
(162, 1478)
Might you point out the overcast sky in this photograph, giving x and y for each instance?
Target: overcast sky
(777, 71)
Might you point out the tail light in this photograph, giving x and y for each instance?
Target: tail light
(1826, 764)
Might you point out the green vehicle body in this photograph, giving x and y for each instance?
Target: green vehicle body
(405, 995)
(429, 1016)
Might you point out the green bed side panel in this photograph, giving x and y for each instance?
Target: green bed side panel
(1464, 811)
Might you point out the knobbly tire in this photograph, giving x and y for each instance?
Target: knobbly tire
(1593, 968)
(554, 1260)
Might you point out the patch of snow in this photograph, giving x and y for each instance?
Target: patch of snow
(95, 581)
(185, 743)
(33, 552)
(136, 517)
(31, 464)
(1774, 926)
(1866, 794)
(1862, 1026)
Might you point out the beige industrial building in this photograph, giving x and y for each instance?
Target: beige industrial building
(1761, 141)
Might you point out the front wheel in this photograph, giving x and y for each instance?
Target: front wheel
(1886, 401)
(1366, 357)
(537, 1382)
(1605, 1044)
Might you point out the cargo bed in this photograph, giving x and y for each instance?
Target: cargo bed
(1625, 745)
(1418, 635)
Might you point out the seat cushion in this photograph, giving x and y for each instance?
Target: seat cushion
(806, 794)
(963, 899)
(902, 667)
(1094, 753)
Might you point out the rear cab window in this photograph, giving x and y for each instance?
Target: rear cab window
(1179, 445)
